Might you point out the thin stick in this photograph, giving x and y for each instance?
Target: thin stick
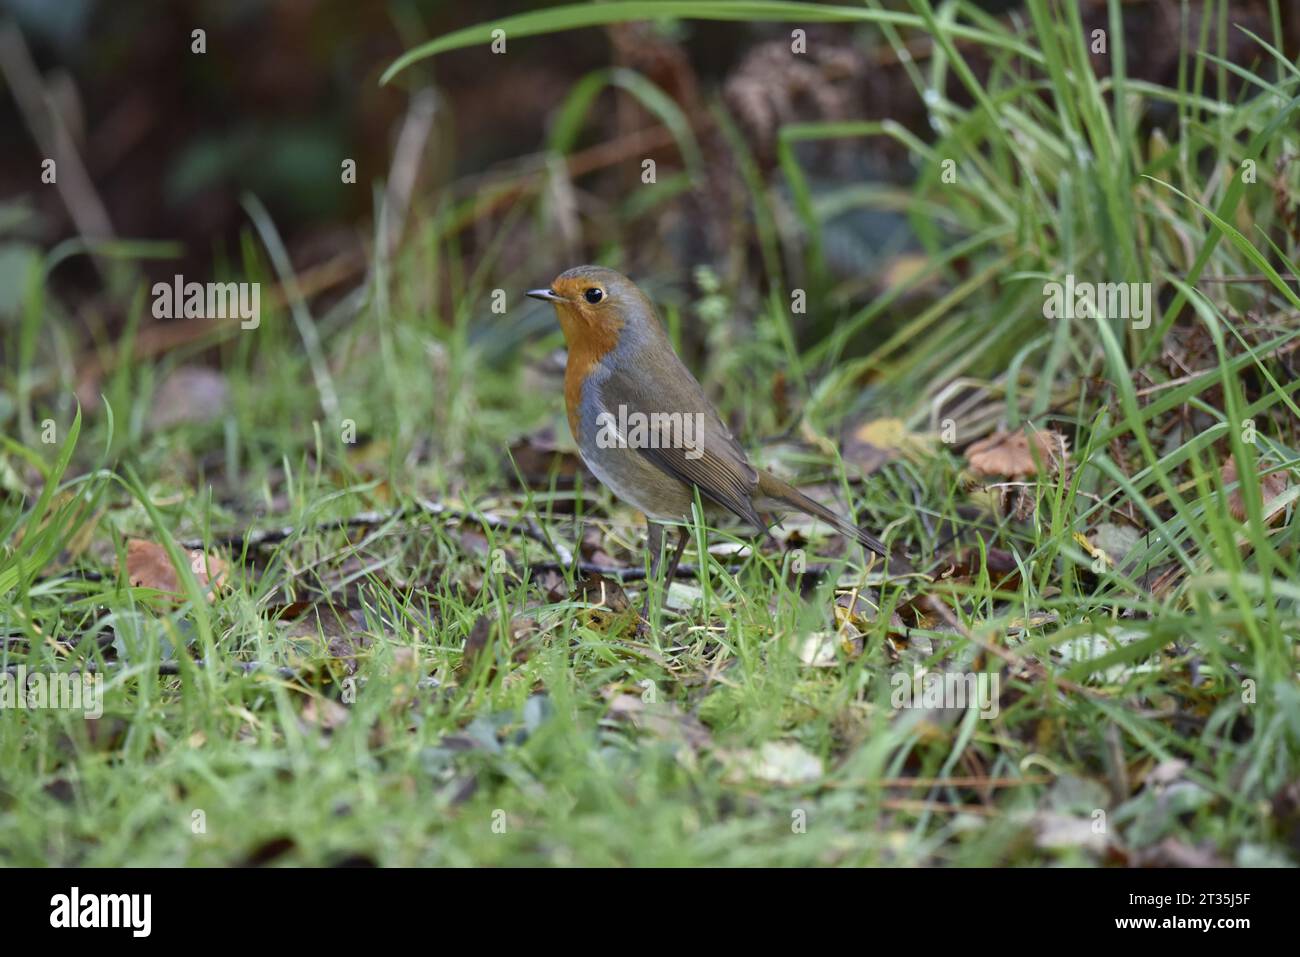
(911, 804)
(53, 139)
(963, 782)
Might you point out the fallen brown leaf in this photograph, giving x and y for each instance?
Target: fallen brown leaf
(1009, 453)
(343, 630)
(610, 605)
(189, 394)
(522, 641)
(324, 713)
(1172, 852)
(818, 650)
(540, 460)
(874, 443)
(783, 763)
(1000, 564)
(1270, 487)
(663, 720)
(149, 566)
(1055, 830)
(860, 611)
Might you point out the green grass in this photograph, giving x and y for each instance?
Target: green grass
(371, 733)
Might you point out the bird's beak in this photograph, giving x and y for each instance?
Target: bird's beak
(546, 295)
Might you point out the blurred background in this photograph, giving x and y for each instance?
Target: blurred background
(169, 140)
(276, 154)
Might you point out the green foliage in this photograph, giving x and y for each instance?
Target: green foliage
(1036, 168)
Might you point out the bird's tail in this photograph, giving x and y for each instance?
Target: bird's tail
(771, 487)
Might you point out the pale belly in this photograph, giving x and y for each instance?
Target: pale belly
(640, 483)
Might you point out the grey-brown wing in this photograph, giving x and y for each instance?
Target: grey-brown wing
(712, 460)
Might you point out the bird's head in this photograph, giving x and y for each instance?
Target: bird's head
(594, 304)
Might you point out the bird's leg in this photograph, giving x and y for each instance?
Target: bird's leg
(682, 538)
(654, 534)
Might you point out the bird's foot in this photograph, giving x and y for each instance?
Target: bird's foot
(643, 619)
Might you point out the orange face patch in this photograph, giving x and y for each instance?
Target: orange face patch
(590, 331)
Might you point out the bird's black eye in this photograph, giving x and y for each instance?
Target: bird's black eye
(593, 295)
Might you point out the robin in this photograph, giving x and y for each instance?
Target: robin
(644, 426)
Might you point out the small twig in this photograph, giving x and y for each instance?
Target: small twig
(593, 158)
(164, 668)
(626, 573)
(298, 308)
(239, 541)
(405, 167)
(1200, 373)
(53, 140)
(964, 782)
(911, 804)
(524, 527)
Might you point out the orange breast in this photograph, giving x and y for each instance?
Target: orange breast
(588, 343)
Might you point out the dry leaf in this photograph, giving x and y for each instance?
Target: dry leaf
(324, 713)
(859, 611)
(1165, 773)
(1171, 852)
(1116, 542)
(663, 720)
(1270, 487)
(818, 649)
(522, 641)
(1000, 563)
(904, 268)
(538, 457)
(1093, 550)
(189, 394)
(1054, 830)
(1008, 453)
(874, 443)
(854, 615)
(149, 566)
(602, 592)
(776, 762)
(610, 605)
(343, 630)
(405, 659)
